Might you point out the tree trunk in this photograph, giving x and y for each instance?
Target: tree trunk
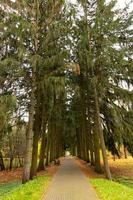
(48, 145)
(89, 132)
(37, 131)
(33, 170)
(42, 156)
(100, 130)
(92, 157)
(41, 165)
(11, 162)
(91, 146)
(125, 152)
(97, 147)
(2, 166)
(29, 135)
(96, 139)
(78, 142)
(20, 161)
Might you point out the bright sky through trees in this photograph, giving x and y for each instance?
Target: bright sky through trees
(121, 3)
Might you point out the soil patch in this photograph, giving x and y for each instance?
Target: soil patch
(88, 169)
(119, 167)
(122, 167)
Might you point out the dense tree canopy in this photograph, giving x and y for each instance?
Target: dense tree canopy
(66, 81)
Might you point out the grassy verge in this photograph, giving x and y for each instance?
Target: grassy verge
(125, 181)
(6, 188)
(110, 190)
(32, 190)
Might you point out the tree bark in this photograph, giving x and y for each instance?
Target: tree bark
(97, 147)
(48, 145)
(100, 130)
(11, 162)
(125, 152)
(20, 161)
(41, 165)
(29, 134)
(37, 130)
(42, 156)
(2, 166)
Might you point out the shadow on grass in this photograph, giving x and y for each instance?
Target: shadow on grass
(124, 181)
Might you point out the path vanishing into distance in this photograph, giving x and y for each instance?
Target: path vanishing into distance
(70, 183)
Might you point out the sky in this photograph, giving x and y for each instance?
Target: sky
(121, 3)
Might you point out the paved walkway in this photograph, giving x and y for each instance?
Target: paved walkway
(70, 183)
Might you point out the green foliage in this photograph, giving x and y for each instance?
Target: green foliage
(104, 58)
(7, 108)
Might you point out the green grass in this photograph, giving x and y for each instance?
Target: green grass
(6, 188)
(33, 190)
(125, 181)
(110, 190)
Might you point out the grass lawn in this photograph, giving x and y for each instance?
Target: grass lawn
(125, 181)
(32, 190)
(6, 188)
(110, 190)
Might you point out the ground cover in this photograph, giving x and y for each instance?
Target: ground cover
(110, 190)
(32, 190)
(121, 188)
